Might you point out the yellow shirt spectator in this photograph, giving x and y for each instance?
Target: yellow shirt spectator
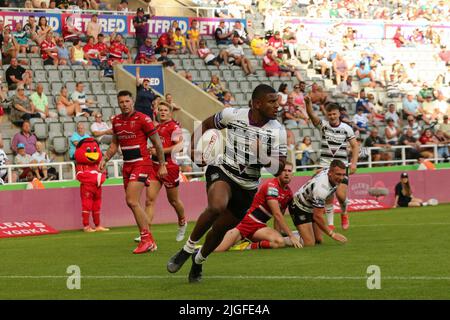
(258, 46)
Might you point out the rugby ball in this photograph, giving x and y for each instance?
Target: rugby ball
(210, 146)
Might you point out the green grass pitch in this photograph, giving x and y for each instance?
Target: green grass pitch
(411, 247)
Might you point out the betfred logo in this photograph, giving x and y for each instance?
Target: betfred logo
(26, 228)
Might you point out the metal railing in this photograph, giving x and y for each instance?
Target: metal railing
(58, 165)
(402, 161)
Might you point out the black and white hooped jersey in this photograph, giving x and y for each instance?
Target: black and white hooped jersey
(334, 142)
(314, 193)
(238, 161)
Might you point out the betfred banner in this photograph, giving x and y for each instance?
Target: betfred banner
(153, 72)
(11, 18)
(109, 23)
(361, 205)
(23, 229)
(206, 26)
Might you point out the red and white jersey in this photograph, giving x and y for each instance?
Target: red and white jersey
(169, 133)
(45, 45)
(270, 190)
(67, 34)
(116, 49)
(102, 49)
(91, 51)
(132, 132)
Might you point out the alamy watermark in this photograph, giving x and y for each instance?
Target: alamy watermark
(74, 279)
(373, 277)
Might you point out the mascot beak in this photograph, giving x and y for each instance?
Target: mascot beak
(92, 156)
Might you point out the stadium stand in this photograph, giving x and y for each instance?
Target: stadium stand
(428, 54)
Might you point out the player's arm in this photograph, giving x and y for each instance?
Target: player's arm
(318, 214)
(274, 207)
(309, 109)
(355, 155)
(156, 141)
(112, 150)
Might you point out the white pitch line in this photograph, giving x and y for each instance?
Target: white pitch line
(236, 277)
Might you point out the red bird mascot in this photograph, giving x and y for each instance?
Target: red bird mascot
(87, 156)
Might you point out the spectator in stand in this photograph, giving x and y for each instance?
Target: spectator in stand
(322, 55)
(425, 92)
(392, 114)
(66, 107)
(23, 38)
(173, 27)
(43, 29)
(286, 67)
(444, 55)
(398, 69)
(123, 6)
(318, 97)
(140, 23)
(49, 51)
(221, 10)
(374, 140)
(91, 52)
(77, 55)
(222, 35)
(412, 74)
(346, 89)
(292, 116)
(411, 106)
(399, 39)
(4, 161)
(166, 41)
(275, 42)
(102, 49)
(40, 102)
(303, 158)
(340, 68)
(429, 111)
(393, 87)
(290, 42)
(364, 76)
(63, 52)
(22, 158)
(270, 66)
(258, 45)
(169, 100)
(209, 58)
(33, 182)
(144, 95)
(441, 106)
(408, 139)
(9, 48)
(31, 28)
(164, 59)
(180, 41)
(116, 50)
(299, 93)
(361, 120)
(392, 132)
(76, 137)
(26, 138)
(427, 138)
(236, 53)
(150, 9)
(93, 28)
(146, 54)
(101, 130)
(443, 149)
(193, 37)
(79, 96)
(283, 93)
(22, 107)
(228, 99)
(445, 127)
(414, 126)
(215, 88)
(16, 75)
(40, 157)
(240, 31)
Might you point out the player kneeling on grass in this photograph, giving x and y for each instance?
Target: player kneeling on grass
(308, 206)
(272, 199)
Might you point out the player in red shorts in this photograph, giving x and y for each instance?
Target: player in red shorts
(131, 130)
(172, 142)
(272, 199)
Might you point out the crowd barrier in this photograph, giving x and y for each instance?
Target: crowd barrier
(61, 208)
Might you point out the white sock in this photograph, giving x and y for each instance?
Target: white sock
(424, 204)
(199, 259)
(330, 214)
(190, 245)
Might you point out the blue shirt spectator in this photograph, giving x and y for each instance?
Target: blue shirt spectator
(77, 136)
